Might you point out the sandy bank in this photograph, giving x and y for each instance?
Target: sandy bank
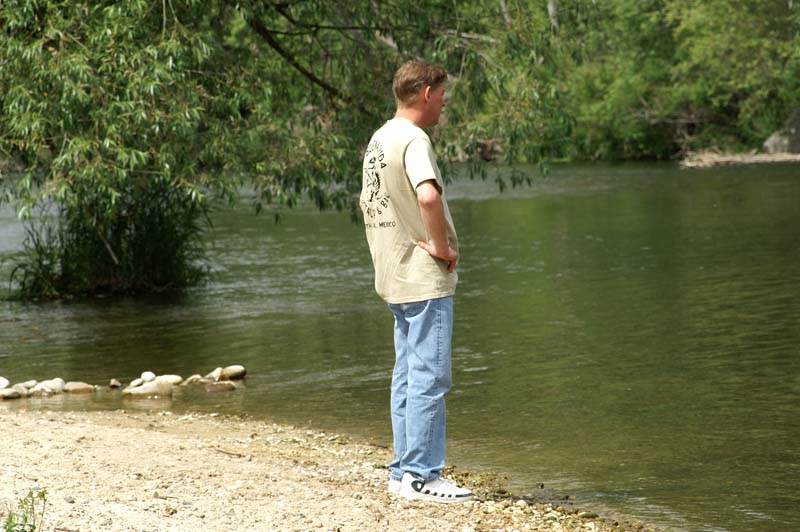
(122, 471)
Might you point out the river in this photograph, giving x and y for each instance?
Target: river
(628, 334)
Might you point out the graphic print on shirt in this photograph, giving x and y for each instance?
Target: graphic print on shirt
(376, 200)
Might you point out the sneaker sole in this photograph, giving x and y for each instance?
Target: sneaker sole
(416, 496)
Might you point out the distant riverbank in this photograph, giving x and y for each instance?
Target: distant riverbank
(115, 471)
(707, 159)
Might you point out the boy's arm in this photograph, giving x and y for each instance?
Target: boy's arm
(432, 210)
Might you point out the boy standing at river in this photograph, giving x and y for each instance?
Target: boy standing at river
(414, 250)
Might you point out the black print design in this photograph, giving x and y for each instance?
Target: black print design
(377, 199)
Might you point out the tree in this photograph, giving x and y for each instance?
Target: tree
(121, 114)
(131, 118)
(658, 78)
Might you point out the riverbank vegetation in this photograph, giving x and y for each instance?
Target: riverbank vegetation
(28, 516)
(126, 122)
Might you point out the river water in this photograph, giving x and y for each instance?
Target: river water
(628, 334)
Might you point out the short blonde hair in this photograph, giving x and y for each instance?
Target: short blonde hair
(412, 77)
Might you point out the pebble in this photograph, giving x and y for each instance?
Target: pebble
(521, 504)
(136, 382)
(9, 393)
(587, 515)
(4, 383)
(30, 384)
(78, 387)
(194, 379)
(114, 384)
(148, 376)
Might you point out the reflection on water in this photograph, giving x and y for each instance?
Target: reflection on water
(628, 334)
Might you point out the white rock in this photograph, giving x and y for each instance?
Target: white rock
(221, 386)
(4, 383)
(23, 391)
(78, 387)
(214, 375)
(169, 379)
(233, 373)
(41, 389)
(56, 385)
(148, 376)
(136, 382)
(149, 389)
(194, 379)
(9, 393)
(30, 384)
(114, 384)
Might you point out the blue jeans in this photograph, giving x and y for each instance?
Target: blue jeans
(421, 377)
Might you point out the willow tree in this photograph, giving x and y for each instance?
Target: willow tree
(129, 119)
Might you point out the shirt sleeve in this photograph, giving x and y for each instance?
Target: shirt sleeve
(420, 161)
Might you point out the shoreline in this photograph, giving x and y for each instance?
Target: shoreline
(711, 158)
(158, 471)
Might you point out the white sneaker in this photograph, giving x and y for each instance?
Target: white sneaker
(438, 490)
(394, 487)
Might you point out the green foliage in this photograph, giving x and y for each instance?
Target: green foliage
(119, 114)
(130, 119)
(660, 77)
(29, 514)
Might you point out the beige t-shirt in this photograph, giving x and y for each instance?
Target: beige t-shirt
(400, 157)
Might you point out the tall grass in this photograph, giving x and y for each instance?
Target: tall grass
(151, 243)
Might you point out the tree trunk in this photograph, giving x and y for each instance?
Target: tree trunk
(506, 14)
(552, 12)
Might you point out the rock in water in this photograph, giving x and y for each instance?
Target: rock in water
(30, 384)
(23, 391)
(41, 389)
(221, 386)
(215, 375)
(55, 385)
(148, 376)
(78, 387)
(194, 379)
(9, 393)
(149, 389)
(4, 383)
(233, 373)
(135, 382)
(114, 384)
(169, 379)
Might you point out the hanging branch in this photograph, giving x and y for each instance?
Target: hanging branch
(268, 36)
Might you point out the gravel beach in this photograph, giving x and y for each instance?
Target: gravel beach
(135, 471)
